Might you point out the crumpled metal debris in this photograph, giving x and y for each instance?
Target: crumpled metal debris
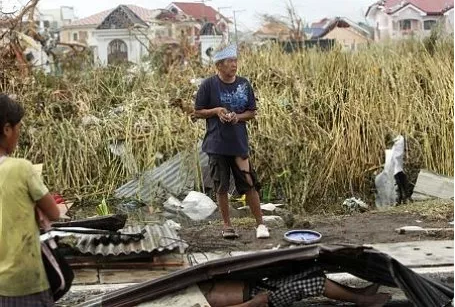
(353, 204)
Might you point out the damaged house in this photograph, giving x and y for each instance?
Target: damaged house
(128, 32)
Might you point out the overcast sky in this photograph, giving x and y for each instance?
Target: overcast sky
(309, 10)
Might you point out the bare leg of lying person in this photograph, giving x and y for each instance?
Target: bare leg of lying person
(239, 294)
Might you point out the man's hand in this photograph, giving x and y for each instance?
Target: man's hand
(234, 118)
(222, 114)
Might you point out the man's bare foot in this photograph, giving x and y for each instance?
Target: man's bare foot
(376, 300)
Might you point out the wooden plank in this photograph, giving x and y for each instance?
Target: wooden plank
(85, 276)
(129, 276)
(432, 184)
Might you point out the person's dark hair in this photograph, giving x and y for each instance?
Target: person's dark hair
(10, 112)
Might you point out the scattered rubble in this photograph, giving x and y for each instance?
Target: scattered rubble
(24, 48)
(173, 225)
(353, 204)
(265, 207)
(130, 205)
(273, 221)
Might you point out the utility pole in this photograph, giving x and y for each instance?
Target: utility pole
(219, 12)
(235, 25)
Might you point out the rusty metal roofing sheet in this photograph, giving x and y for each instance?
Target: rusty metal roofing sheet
(176, 175)
(158, 238)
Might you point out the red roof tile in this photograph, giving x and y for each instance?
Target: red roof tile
(96, 19)
(428, 6)
(198, 11)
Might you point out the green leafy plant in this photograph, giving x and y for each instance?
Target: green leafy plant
(102, 209)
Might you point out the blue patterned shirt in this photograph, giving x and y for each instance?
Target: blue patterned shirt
(226, 138)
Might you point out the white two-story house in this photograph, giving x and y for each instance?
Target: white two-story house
(397, 19)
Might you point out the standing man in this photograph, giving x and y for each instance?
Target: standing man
(227, 102)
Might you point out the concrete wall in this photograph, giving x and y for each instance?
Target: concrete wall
(67, 35)
(348, 38)
(136, 50)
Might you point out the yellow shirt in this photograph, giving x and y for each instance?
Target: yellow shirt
(21, 267)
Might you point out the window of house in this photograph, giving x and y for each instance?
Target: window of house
(83, 36)
(46, 24)
(405, 24)
(429, 24)
(74, 36)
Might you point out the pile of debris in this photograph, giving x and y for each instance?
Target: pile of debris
(24, 47)
(106, 242)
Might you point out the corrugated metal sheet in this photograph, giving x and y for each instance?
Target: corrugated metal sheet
(174, 176)
(360, 261)
(158, 238)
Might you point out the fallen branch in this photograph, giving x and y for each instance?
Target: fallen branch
(11, 23)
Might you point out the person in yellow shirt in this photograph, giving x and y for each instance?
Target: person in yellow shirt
(23, 280)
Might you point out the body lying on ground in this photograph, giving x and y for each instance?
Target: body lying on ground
(282, 291)
(281, 277)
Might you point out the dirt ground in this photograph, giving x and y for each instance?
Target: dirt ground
(360, 228)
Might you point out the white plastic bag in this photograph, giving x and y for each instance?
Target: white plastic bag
(398, 154)
(198, 206)
(385, 183)
(386, 193)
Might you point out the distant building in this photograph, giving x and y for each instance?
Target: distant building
(83, 30)
(51, 21)
(121, 37)
(127, 32)
(55, 19)
(396, 19)
(273, 31)
(202, 14)
(347, 33)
